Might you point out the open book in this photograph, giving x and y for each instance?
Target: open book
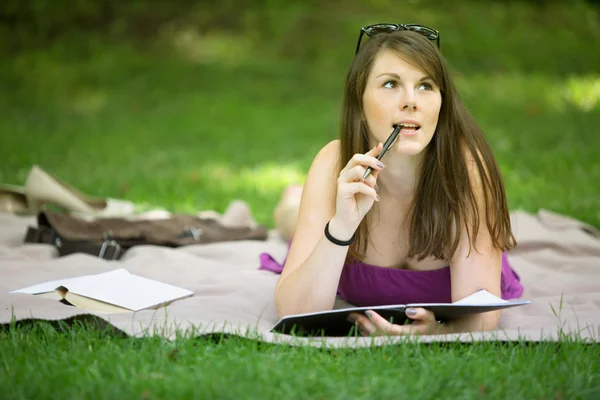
(334, 322)
(111, 292)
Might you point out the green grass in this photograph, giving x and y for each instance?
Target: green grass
(41, 361)
(189, 123)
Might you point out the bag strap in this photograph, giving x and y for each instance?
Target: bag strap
(109, 249)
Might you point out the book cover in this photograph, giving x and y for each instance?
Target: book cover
(335, 323)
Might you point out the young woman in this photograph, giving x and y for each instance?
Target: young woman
(429, 224)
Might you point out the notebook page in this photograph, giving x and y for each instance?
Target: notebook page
(480, 297)
(127, 290)
(50, 286)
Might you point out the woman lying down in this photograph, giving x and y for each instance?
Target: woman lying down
(426, 223)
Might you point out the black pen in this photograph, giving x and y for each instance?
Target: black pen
(386, 146)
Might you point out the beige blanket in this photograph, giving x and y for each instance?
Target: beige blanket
(558, 259)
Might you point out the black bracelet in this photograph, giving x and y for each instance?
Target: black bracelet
(336, 241)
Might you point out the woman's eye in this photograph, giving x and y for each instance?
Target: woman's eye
(426, 86)
(390, 84)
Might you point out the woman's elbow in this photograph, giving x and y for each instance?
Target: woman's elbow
(490, 321)
(283, 305)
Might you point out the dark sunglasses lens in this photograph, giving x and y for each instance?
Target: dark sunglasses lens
(423, 30)
(380, 28)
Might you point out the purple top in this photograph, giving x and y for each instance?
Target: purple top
(369, 285)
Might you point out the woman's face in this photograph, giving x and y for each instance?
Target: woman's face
(396, 92)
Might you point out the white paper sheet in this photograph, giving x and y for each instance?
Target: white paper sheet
(118, 287)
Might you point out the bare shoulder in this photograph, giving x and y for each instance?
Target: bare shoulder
(486, 184)
(475, 176)
(321, 181)
(320, 188)
(329, 154)
(324, 168)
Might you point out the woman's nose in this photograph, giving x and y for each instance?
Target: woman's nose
(408, 101)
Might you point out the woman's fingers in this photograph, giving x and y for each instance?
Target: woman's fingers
(351, 188)
(366, 160)
(350, 183)
(420, 314)
(371, 323)
(355, 174)
(374, 152)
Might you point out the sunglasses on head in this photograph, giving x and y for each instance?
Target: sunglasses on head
(375, 29)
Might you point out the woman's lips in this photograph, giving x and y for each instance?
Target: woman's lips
(409, 131)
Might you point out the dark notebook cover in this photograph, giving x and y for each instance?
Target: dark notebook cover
(335, 323)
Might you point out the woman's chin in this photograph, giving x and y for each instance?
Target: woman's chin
(409, 149)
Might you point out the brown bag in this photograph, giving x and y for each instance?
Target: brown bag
(109, 238)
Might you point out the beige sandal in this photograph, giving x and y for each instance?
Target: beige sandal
(14, 200)
(41, 187)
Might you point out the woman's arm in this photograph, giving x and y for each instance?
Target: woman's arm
(476, 264)
(312, 271)
(477, 261)
(479, 270)
(313, 267)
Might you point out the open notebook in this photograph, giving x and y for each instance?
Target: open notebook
(335, 323)
(111, 292)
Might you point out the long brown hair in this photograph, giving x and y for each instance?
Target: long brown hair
(444, 199)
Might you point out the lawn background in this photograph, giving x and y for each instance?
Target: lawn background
(188, 105)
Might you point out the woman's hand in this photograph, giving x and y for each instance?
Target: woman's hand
(355, 197)
(373, 324)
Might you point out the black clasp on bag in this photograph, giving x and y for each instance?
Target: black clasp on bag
(110, 249)
(42, 235)
(191, 232)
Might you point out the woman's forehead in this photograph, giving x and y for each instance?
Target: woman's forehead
(390, 62)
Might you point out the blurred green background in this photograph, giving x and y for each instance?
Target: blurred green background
(188, 105)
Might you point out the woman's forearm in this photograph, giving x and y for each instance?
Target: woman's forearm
(313, 285)
(481, 322)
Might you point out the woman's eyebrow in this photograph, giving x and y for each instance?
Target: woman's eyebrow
(396, 76)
